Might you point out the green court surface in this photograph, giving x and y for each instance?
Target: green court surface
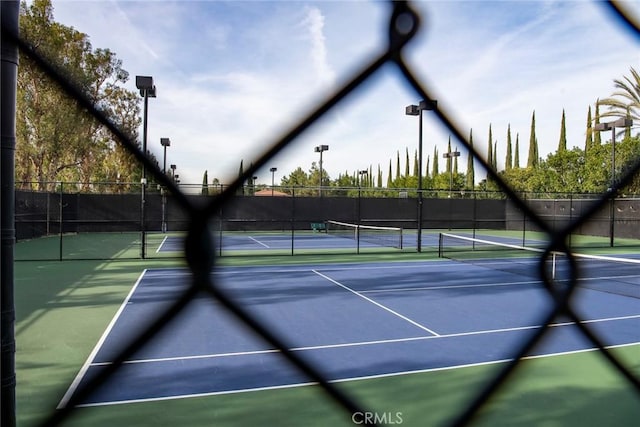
(64, 307)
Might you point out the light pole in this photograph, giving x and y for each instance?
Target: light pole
(273, 174)
(416, 110)
(622, 122)
(165, 142)
(320, 149)
(361, 175)
(451, 155)
(253, 185)
(147, 90)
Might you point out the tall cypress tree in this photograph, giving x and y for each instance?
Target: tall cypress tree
(427, 169)
(406, 165)
(398, 165)
(596, 136)
(455, 164)
(240, 172)
(205, 184)
(588, 143)
(490, 148)
(532, 161)
(516, 156)
(470, 169)
(435, 162)
(416, 167)
(562, 144)
(379, 176)
(495, 156)
(508, 163)
(389, 180)
(448, 170)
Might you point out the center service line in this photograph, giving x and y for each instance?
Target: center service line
(424, 328)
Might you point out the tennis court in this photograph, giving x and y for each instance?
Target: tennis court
(328, 235)
(354, 320)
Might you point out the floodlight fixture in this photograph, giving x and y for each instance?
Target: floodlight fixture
(412, 110)
(146, 86)
(622, 122)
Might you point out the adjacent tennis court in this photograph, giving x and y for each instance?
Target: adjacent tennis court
(354, 320)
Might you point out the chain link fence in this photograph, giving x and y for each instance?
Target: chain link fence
(56, 212)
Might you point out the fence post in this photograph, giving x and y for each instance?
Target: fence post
(9, 11)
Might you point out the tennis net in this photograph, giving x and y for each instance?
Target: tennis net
(598, 272)
(375, 235)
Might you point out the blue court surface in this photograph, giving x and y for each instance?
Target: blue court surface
(254, 241)
(352, 321)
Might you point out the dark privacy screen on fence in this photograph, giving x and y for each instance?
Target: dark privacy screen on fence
(200, 251)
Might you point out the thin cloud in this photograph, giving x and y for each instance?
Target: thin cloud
(314, 22)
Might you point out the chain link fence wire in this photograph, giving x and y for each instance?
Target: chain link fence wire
(200, 253)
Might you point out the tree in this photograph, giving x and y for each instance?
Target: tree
(625, 100)
(205, 184)
(588, 143)
(494, 157)
(470, 182)
(56, 139)
(508, 163)
(389, 180)
(562, 144)
(297, 178)
(449, 165)
(516, 156)
(532, 161)
(406, 167)
(434, 172)
(597, 140)
(490, 148)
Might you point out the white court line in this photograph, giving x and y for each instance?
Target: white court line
(435, 288)
(424, 328)
(341, 380)
(259, 242)
(161, 244)
(83, 370)
(366, 343)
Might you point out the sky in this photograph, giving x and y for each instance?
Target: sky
(233, 77)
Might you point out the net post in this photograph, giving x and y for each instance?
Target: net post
(440, 238)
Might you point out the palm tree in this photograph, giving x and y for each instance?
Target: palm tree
(625, 101)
